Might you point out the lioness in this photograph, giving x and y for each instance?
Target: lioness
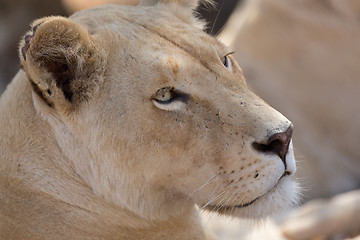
(124, 118)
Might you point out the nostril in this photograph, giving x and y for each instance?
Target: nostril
(277, 144)
(274, 146)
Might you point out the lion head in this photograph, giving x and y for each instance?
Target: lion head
(155, 115)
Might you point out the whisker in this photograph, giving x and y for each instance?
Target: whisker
(220, 205)
(210, 180)
(231, 197)
(241, 201)
(213, 199)
(216, 18)
(221, 197)
(217, 33)
(212, 194)
(232, 203)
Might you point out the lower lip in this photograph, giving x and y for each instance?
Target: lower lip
(247, 204)
(251, 202)
(231, 207)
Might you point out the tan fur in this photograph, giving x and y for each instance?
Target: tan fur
(88, 153)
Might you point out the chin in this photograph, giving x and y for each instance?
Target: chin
(283, 196)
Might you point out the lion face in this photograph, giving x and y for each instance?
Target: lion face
(171, 123)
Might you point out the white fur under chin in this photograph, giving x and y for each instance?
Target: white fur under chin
(283, 197)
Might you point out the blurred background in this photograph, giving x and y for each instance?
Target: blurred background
(303, 58)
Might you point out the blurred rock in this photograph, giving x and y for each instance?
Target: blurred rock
(336, 218)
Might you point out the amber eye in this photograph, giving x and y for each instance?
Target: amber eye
(164, 95)
(169, 99)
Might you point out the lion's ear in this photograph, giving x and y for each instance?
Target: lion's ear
(190, 4)
(62, 61)
(183, 9)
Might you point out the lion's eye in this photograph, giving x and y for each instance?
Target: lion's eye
(164, 95)
(227, 62)
(169, 99)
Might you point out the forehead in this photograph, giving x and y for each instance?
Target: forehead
(149, 24)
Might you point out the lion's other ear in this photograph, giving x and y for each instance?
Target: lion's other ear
(190, 4)
(183, 9)
(62, 61)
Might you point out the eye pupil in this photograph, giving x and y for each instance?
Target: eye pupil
(227, 62)
(164, 95)
(168, 98)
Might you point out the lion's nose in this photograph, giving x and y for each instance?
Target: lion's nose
(277, 143)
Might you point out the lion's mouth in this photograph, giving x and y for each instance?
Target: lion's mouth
(220, 208)
(247, 204)
(228, 208)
